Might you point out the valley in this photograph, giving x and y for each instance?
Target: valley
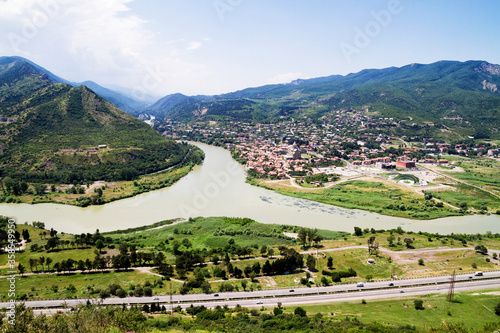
(362, 189)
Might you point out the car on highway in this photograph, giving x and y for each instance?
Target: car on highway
(360, 284)
(391, 284)
(291, 290)
(216, 295)
(470, 277)
(156, 298)
(260, 302)
(401, 291)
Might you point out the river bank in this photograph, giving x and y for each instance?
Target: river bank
(218, 188)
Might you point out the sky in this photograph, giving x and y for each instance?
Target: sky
(160, 47)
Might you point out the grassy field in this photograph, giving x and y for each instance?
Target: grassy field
(216, 233)
(474, 310)
(483, 173)
(85, 285)
(38, 239)
(111, 191)
(372, 196)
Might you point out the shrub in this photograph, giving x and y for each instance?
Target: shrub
(497, 309)
(419, 304)
(121, 293)
(300, 312)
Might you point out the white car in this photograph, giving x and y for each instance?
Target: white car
(260, 302)
(156, 298)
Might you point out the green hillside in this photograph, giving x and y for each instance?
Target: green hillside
(50, 131)
(463, 96)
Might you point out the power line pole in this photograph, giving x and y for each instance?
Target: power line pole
(451, 292)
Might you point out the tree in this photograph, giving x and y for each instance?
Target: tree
(263, 250)
(123, 248)
(270, 252)
(421, 262)
(99, 245)
(205, 287)
(481, 249)
(408, 242)
(244, 284)
(372, 246)
(33, 263)
(21, 269)
(247, 270)
(158, 259)
(311, 263)
(41, 260)
(299, 311)
(48, 261)
(237, 272)
(419, 304)
(302, 236)
(40, 189)
(324, 281)
(358, 232)
(329, 263)
(26, 235)
(266, 268)
(89, 264)
(277, 311)
(121, 261)
(256, 268)
(391, 239)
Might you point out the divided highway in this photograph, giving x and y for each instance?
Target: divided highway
(335, 293)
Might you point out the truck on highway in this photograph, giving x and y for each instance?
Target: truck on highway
(478, 273)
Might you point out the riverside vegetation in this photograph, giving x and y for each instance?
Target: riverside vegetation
(218, 254)
(56, 138)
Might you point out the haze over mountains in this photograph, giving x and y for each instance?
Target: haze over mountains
(50, 131)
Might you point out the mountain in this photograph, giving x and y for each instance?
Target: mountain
(170, 103)
(461, 96)
(122, 101)
(51, 132)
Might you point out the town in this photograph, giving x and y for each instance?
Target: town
(345, 140)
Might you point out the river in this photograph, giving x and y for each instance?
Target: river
(218, 188)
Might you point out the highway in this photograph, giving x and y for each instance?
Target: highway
(304, 295)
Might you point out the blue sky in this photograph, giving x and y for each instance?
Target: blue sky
(159, 47)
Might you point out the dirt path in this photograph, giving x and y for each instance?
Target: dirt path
(95, 185)
(463, 182)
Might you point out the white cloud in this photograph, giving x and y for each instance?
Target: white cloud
(95, 40)
(284, 78)
(193, 46)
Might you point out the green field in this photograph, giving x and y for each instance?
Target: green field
(474, 310)
(375, 197)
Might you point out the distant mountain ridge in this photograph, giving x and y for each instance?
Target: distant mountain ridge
(121, 100)
(50, 131)
(463, 96)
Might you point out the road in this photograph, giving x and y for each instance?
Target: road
(335, 293)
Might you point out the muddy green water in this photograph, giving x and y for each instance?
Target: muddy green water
(218, 188)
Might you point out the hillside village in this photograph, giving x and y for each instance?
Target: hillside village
(291, 148)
